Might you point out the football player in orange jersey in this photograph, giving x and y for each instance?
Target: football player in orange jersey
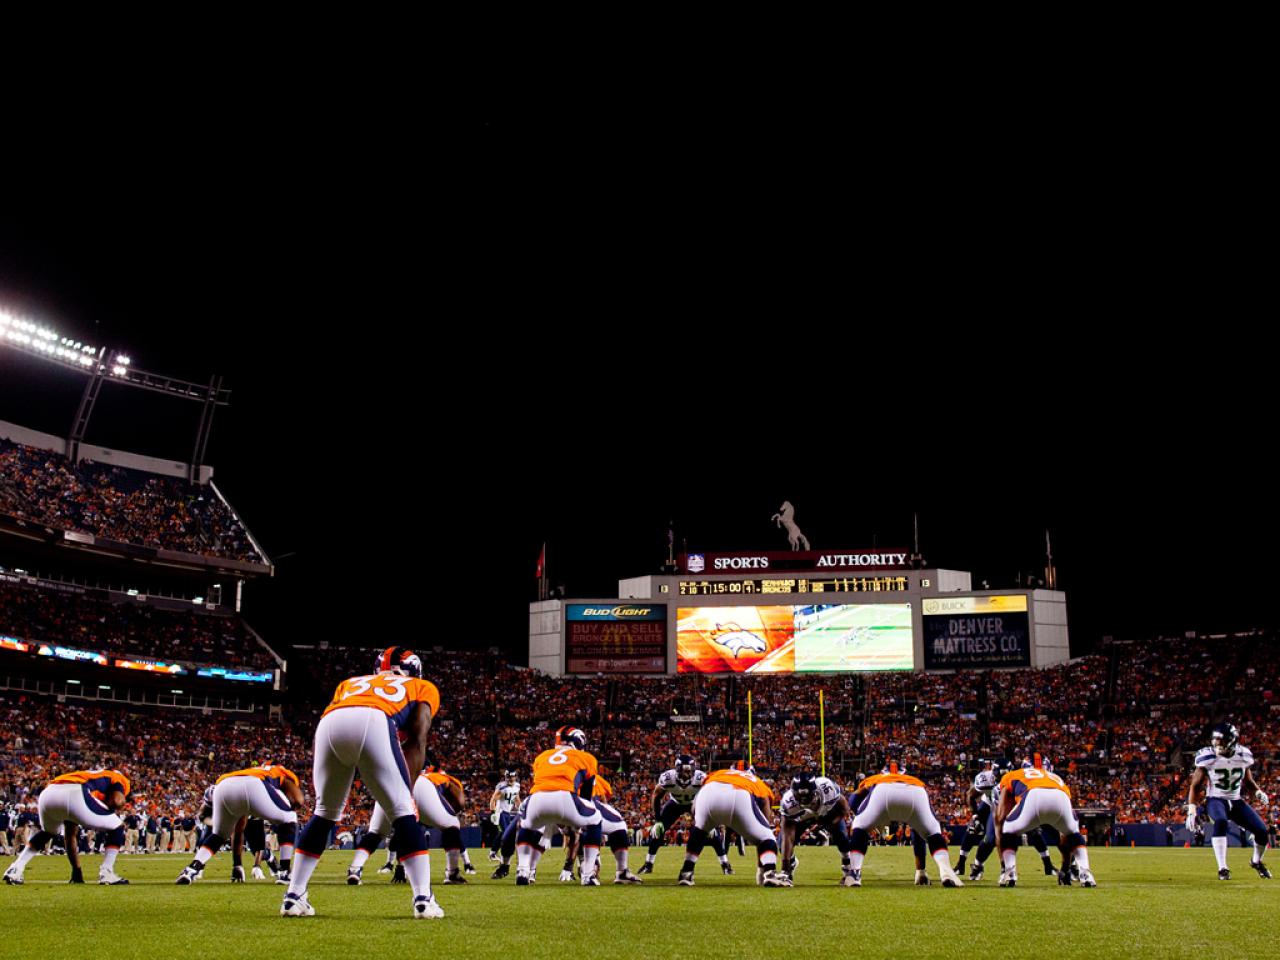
(439, 798)
(892, 796)
(563, 786)
(361, 728)
(735, 798)
(1032, 797)
(270, 792)
(83, 798)
(614, 830)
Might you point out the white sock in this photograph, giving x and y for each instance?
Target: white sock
(466, 859)
(361, 857)
(417, 868)
(286, 856)
(855, 860)
(650, 858)
(1220, 851)
(725, 858)
(589, 857)
(303, 867)
(204, 855)
(535, 854)
(943, 859)
(1009, 858)
(1258, 851)
(621, 857)
(1046, 856)
(451, 860)
(1082, 858)
(524, 856)
(109, 858)
(25, 857)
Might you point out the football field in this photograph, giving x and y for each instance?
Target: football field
(1150, 902)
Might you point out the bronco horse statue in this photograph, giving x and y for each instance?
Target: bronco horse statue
(785, 517)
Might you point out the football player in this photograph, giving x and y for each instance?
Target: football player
(1032, 797)
(614, 829)
(988, 844)
(562, 791)
(361, 728)
(893, 796)
(270, 792)
(1222, 771)
(88, 799)
(981, 804)
(503, 804)
(813, 802)
(678, 786)
(735, 798)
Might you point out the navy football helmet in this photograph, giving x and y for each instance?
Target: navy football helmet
(571, 736)
(685, 768)
(1224, 738)
(400, 660)
(804, 788)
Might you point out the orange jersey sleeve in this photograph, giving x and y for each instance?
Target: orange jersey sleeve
(563, 768)
(1032, 778)
(604, 789)
(391, 693)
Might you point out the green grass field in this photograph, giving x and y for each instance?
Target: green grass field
(1149, 902)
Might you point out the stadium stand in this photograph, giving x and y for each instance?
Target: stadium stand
(119, 504)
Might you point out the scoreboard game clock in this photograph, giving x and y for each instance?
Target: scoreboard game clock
(782, 585)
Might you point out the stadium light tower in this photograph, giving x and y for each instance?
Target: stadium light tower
(101, 366)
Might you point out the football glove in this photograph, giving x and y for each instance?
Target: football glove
(1191, 817)
(656, 831)
(1261, 797)
(237, 874)
(397, 875)
(258, 874)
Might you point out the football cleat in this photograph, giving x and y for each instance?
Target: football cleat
(726, 868)
(586, 881)
(851, 878)
(502, 870)
(1008, 878)
(1224, 874)
(493, 857)
(685, 879)
(522, 880)
(258, 874)
(1064, 878)
(13, 876)
(975, 872)
(1048, 866)
(237, 874)
(952, 881)
(386, 867)
(626, 876)
(282, 878)
(109, 878)
(426, 908)
(646, 867)
(353, 876)
(922, 879)
(296, 905)
(469, 869)
(1086, 879)
(454, 876)
(776, 878)
(1261, 867)
(187, 876)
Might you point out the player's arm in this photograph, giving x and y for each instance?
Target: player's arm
(766, 807)
(1252, 789)
(493, 800)
(293, 793)
(841, 810)
(656, 800)
(415, 744)
(115, 800)
(71, 839)
(456, 797)
(1002, 813)
(973, 798)
(788, 837)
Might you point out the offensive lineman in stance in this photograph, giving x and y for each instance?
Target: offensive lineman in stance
(83, 798)
(735, 798)
(1032, 797)
(361, 728)
(892, 796)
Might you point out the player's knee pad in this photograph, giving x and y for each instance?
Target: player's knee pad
(407, 836)
(936, 842)
(618, 840)
(592, 836)
(286, 833)
(369, 842)
(697, 840)
(451, 838)
(115, 838)
(315, 836)
(529, 838)
(859, 840)
(213, 842)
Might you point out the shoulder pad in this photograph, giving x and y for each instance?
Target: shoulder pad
(1245, 754)
(1204, 757)
(666, 778)
(699, 777)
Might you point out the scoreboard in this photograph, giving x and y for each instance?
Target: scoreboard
(714, 588)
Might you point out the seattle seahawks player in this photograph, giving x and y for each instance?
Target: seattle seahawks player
(1223, 768)
(813, 801)
(503, 804)
(679, 786)
(981, 803)
(1035, 836)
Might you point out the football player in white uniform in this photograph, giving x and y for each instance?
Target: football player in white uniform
(1222, 771)
(813, 802)
(503, 804)
(980, 801)
(679, 786)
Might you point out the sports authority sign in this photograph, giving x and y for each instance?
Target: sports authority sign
(615, 638)
(815, 560)
(976, 632)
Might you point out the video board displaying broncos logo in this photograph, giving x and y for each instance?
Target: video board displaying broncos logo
(735, 640)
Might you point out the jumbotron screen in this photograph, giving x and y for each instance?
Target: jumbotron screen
(819, 638)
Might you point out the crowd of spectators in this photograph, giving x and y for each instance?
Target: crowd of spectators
(40, 616)
(120, 504)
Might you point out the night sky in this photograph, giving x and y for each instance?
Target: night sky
(447, 344)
